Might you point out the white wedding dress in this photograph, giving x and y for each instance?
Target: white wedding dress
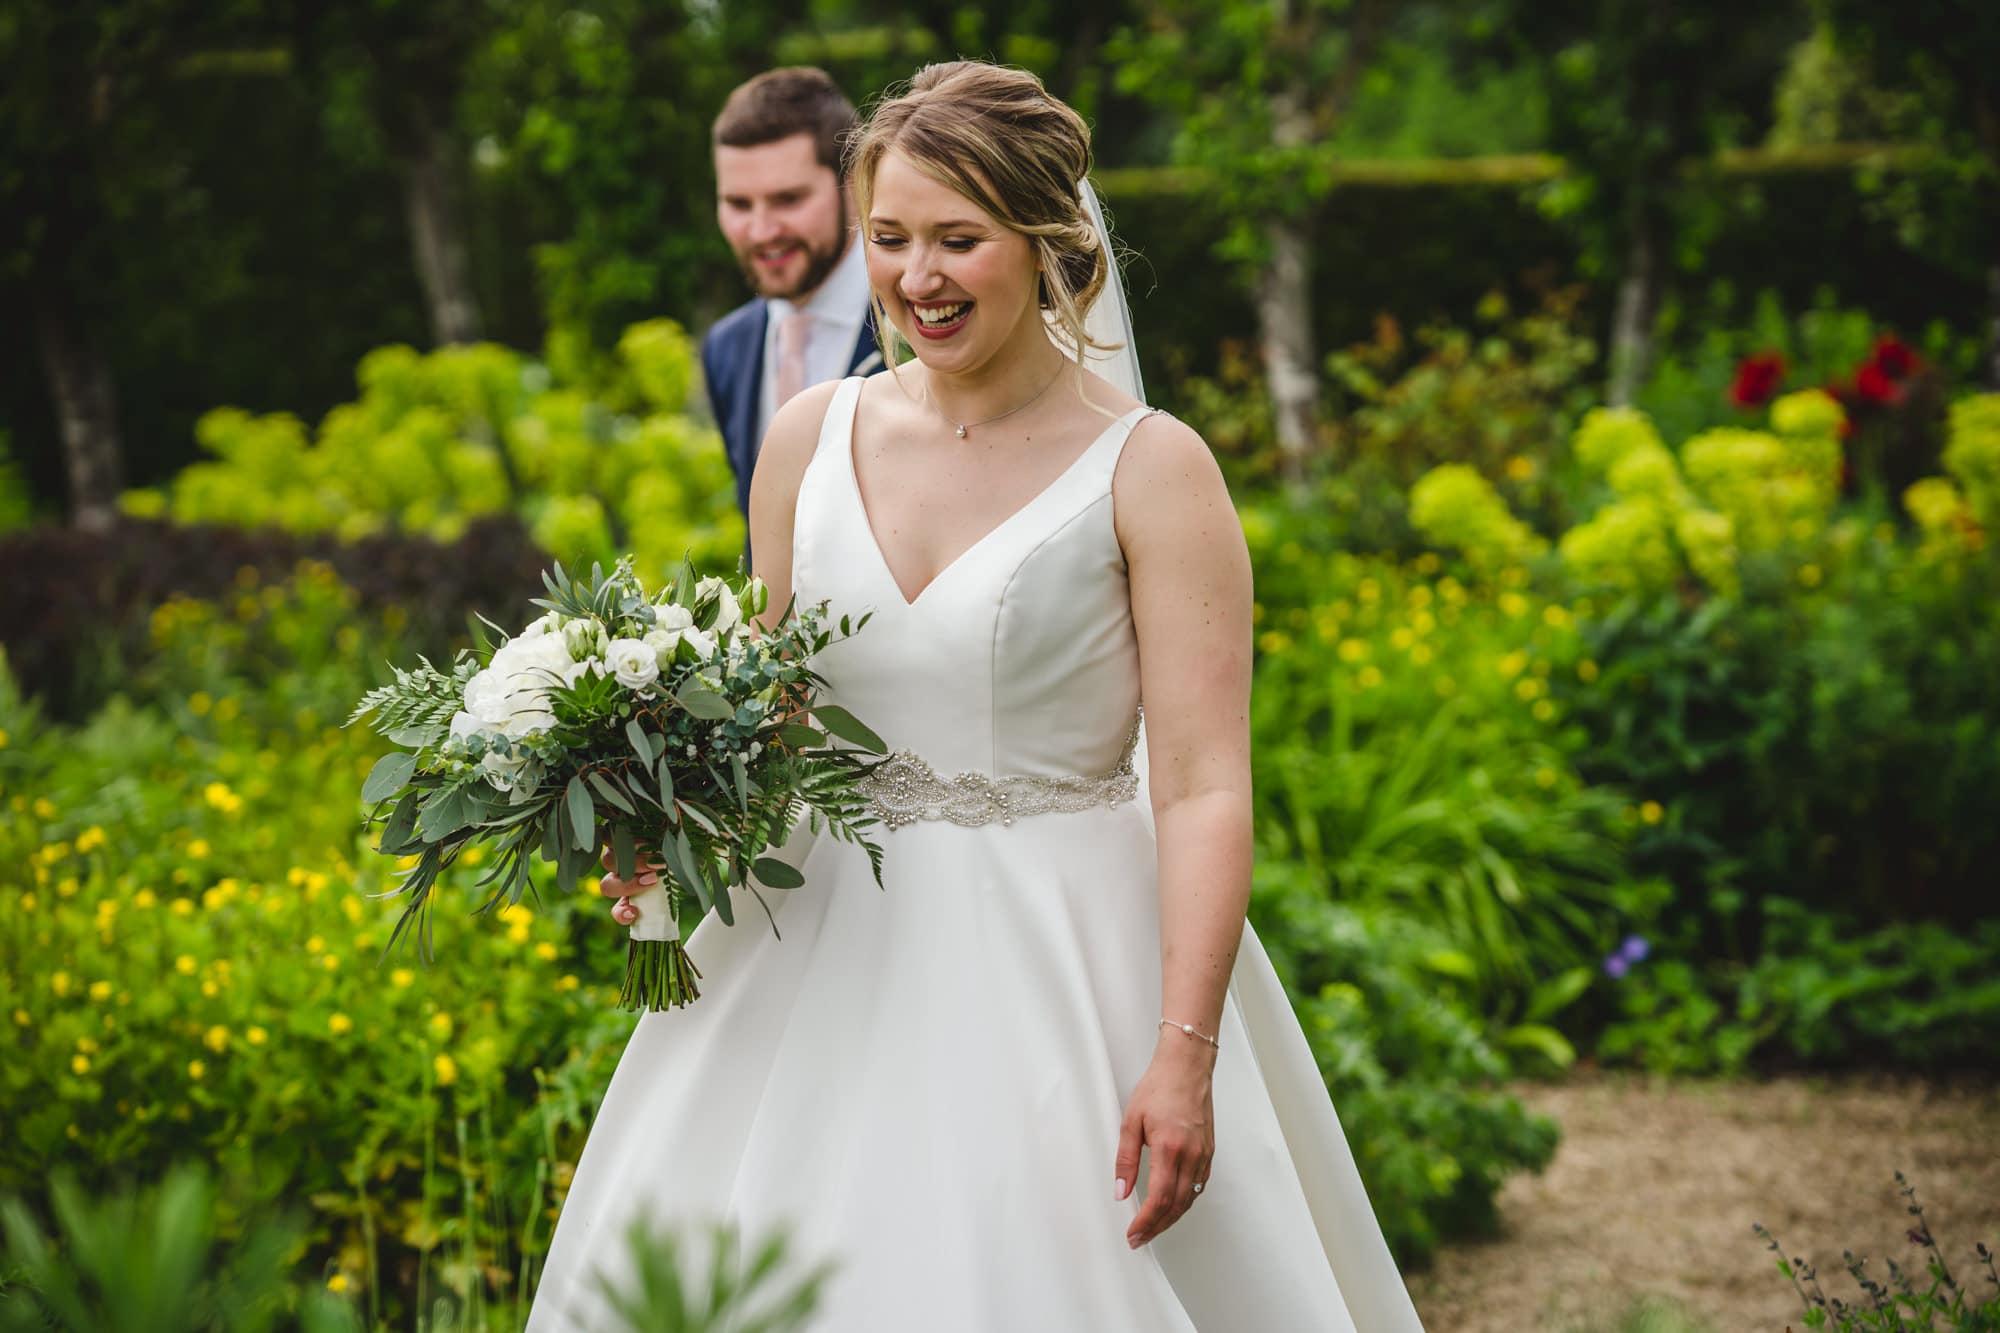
(923, 1083)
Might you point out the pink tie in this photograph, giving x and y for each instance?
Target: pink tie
(793, 335)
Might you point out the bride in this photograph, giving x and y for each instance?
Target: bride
(1045, 1080)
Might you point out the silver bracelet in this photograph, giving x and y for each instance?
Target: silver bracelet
(1189, 1029)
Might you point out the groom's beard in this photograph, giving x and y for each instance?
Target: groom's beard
(822, 255)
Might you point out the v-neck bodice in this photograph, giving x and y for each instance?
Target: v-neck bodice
(1018, 657)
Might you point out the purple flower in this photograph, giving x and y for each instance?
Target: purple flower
(1634, 949)
(1615, 966)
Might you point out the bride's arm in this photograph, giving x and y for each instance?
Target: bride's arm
(1191, 598)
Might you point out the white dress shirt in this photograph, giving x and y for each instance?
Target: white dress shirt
(837, 311)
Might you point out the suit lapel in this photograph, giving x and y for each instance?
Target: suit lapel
(867, 356)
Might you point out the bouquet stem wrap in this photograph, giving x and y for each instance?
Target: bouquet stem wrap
(658, 972)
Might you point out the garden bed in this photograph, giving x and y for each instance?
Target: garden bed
(1656, 1185)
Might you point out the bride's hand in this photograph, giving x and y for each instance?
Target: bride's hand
(1172, 1113)
(611, 886)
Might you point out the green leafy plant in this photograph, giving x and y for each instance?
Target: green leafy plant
(1906, 1302)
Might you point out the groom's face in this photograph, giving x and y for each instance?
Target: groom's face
(783, 214)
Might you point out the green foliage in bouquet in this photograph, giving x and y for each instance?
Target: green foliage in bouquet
(626, 718)
(436, 439)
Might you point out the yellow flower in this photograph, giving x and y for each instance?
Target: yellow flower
(1545, 777)
(1519, 468)
(316, 944)
(186, 965)
(330, 962)
(182, 907)
(568, 983)
(22, 1018)
(255, 1035)
(87, 1045)
(1809, 575)
(199, 703)
(1544, 711)
(1273, 642)
(3, 738)
(1513, 605)
(196, 1069)
(59, 982)
(90, 839)
(1422, 654)
(100, 990)
(401, 977)
(1555, 617)
(145, 898)
(198, 849)
(1369, 677)
(340, 1025)
(546, 951)
(1528, 688)
(44, 808)
(210, 989)
(518, 932)
(446, 1069)
(1353, 650)
(338, 1283)
(1652, 812)
(27, 902)
(1586, 671)
(1513, 664)
(441, 1024)
(79, 1065)
(216, 1038)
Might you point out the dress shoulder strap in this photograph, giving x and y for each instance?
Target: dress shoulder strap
(1126, 424)
(838, 426)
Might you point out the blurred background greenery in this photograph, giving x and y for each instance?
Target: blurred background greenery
(1611, 393)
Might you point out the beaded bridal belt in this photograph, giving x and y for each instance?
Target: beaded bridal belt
(903, 789)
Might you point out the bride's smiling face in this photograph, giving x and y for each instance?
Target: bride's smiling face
(958, 284)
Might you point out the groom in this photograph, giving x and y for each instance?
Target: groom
(785, 210)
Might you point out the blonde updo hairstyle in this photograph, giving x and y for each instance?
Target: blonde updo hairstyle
(996, 136)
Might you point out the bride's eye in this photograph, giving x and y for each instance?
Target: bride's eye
(885, 242)
(960, 243)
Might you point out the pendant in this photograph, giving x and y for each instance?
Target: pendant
(961, 432)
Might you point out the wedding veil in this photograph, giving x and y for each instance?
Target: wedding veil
(1110, 319)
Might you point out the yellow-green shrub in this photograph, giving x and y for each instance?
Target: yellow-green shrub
(1455, 507)
(437, 438)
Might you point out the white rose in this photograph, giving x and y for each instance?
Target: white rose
(576, 671)
(728, 615)
(634, 662)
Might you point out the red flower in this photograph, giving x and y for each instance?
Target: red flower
(1874, 384)
(1757, 380)
(1894, 357)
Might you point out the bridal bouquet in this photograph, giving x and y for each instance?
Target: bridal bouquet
(629, 719)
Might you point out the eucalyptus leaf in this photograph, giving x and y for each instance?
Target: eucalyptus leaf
(776, 874)
(703, 702)
(582, 816)
(849, 728)
(801, 737)
(388, 775)
(608, 789)
(624, 854)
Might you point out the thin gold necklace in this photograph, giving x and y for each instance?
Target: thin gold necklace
(966, 426)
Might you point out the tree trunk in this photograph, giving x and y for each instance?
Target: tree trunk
(437, 233)
(1284, 324)
(86, 411)
(1284, 302)
(1638, 309)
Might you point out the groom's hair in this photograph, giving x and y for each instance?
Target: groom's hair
(782, 102)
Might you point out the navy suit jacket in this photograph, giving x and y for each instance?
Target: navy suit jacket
(732, 363)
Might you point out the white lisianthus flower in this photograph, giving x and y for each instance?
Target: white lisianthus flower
(701, 640)
(664, 643)
(728, 613)
(546, 623)
(634, 662)
(503, 771)
(576, 671)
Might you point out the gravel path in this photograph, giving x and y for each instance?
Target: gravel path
(1654, 1188)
